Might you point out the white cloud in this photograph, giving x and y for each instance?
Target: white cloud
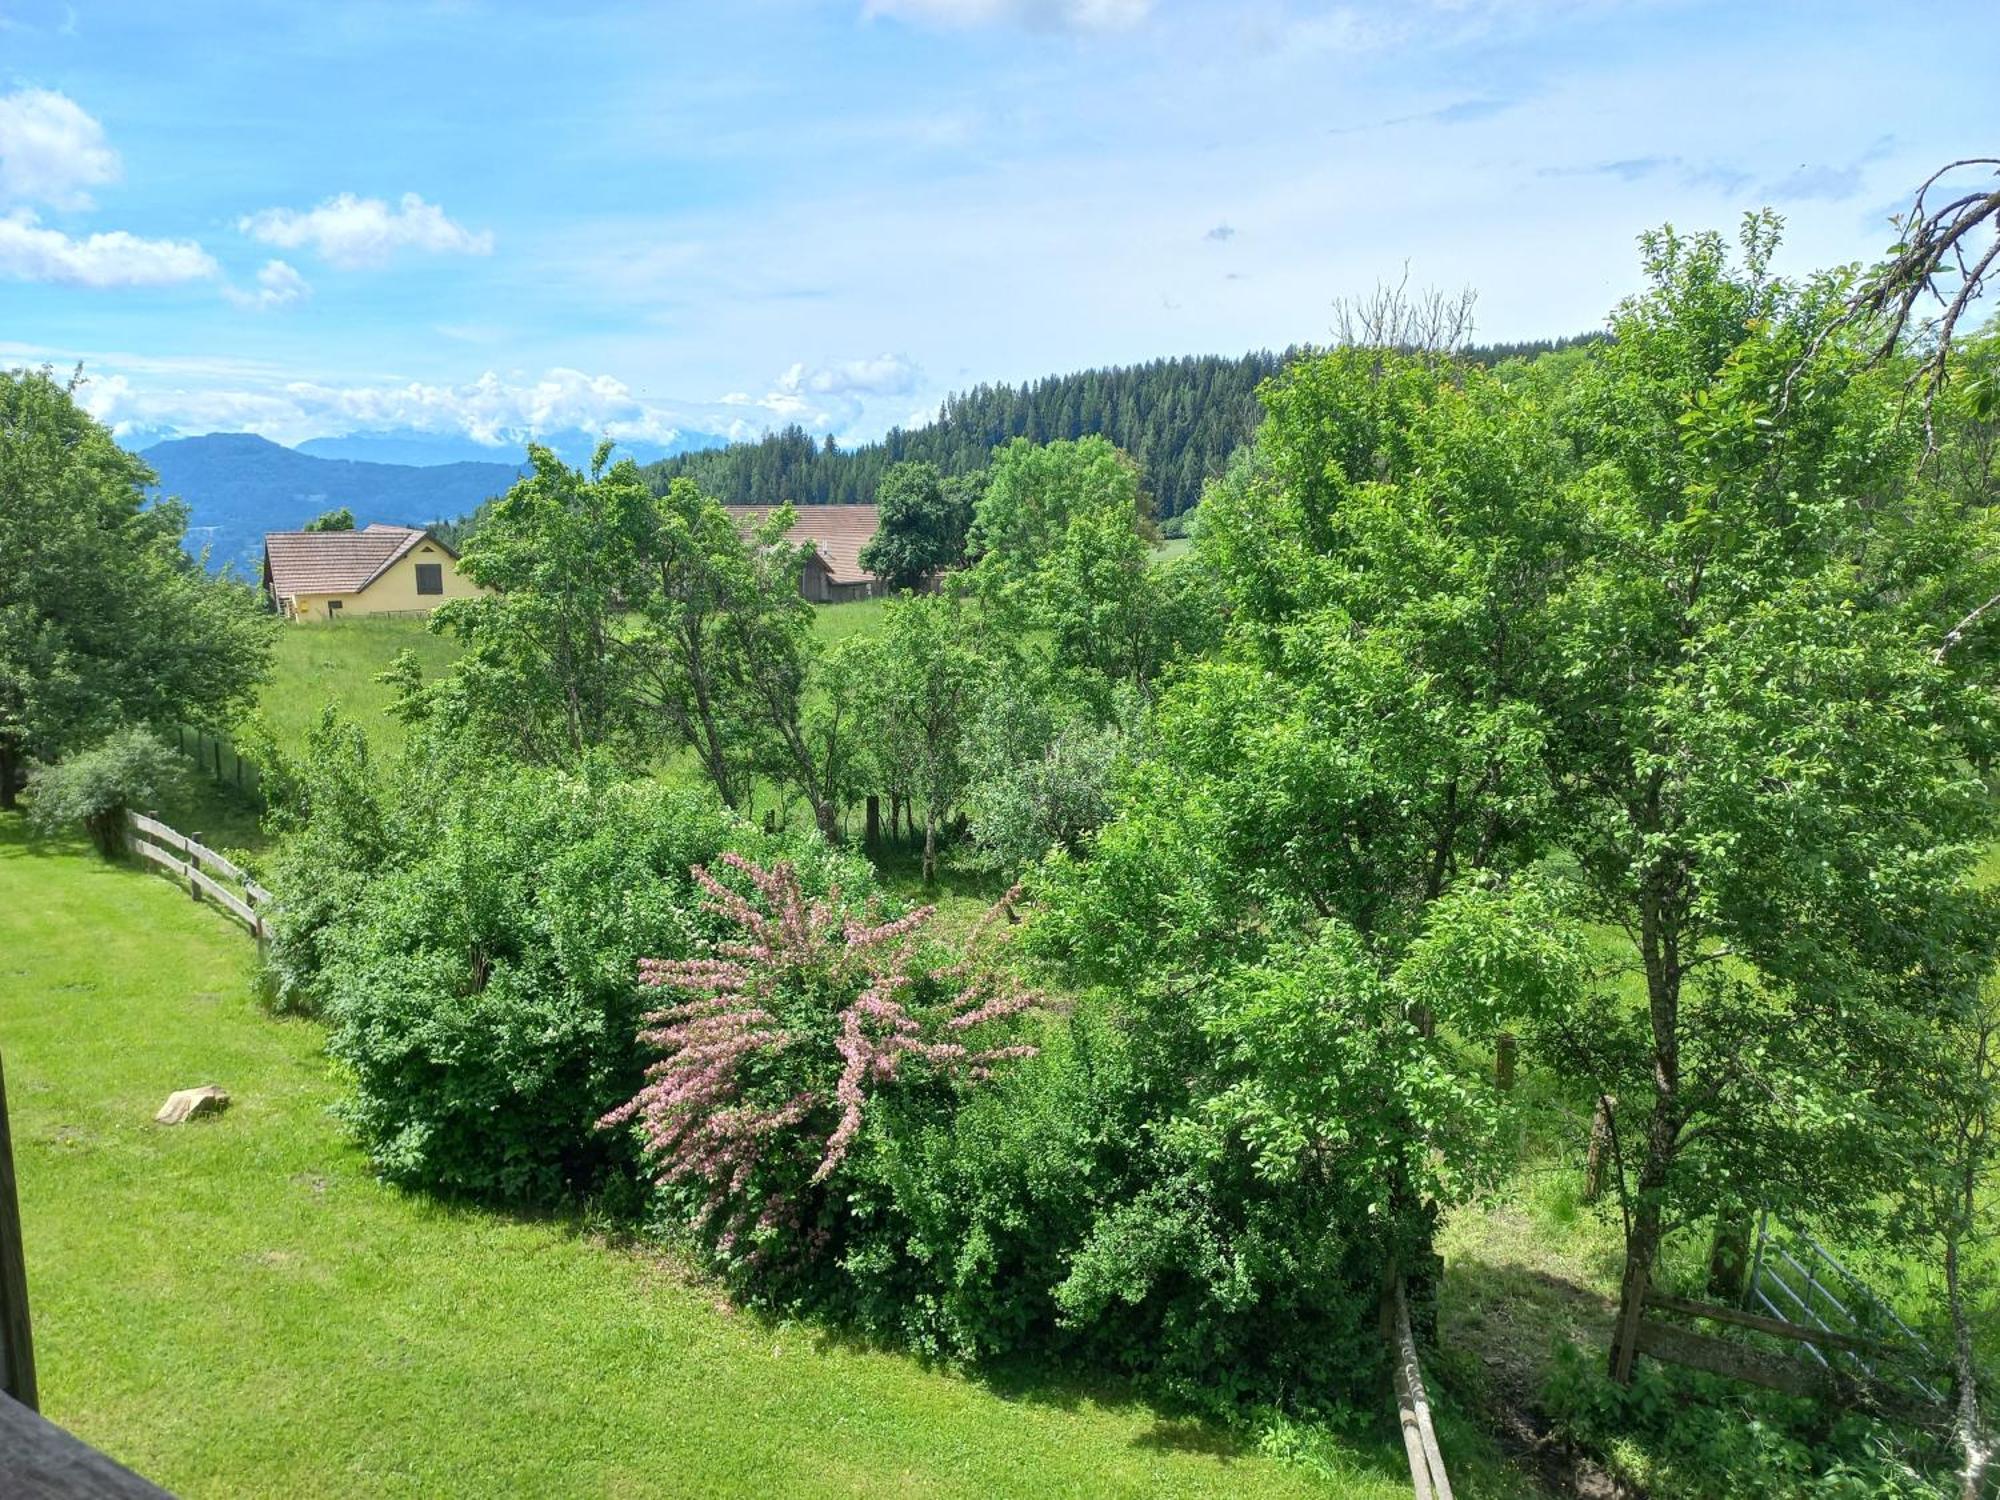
(884, 375)
(832, 397)
(277, 286)
(1039, 15)
(490, 409)
(200, 394)
(30, 252)
(51, 151)
(351, 232)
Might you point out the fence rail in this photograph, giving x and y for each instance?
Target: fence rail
(191, 862)
(1428, 1480)
(1838, 1340)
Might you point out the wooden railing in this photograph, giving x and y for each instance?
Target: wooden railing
(1428, 1480)
(190, 861)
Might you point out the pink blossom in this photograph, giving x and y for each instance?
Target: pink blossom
(711, 1112)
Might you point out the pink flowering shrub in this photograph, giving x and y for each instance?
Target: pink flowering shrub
(783, 1040)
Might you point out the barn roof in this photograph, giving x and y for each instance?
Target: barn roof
(336, 562)
(837, 532)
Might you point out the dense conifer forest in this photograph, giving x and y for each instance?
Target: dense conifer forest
(1180, 418)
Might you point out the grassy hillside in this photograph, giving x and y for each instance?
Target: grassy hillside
(338, 662)
(236, 1307)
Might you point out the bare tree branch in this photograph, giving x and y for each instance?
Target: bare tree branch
(1429, 322)
(1943, 260)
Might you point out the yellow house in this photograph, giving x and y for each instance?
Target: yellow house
(378, 570)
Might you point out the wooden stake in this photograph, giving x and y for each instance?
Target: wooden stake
(17, 1344)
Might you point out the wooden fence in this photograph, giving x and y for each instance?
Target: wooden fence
(197, 867)
(1413, 1407)
(1850, 1361)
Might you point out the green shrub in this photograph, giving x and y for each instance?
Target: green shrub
(482, 988)
(1674, 1432)
(132, 771)
(331, 805)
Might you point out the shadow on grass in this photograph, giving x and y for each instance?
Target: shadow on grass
(1369, 1450)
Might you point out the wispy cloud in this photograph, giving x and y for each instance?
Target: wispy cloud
(1716, 175)
(1461, 112)
(29, 251)
(1220, 233)
(1833, 184)
(351, 232)
(278, 285)
(1039, 15)
(51, 151)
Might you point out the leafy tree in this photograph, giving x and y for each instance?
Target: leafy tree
(1041, 767)
(924, 679)
(1321, 882)
(541, 674)
(339, 519)
(694, 578)
(921, 527)
(1064, 546)
(104, 619)
(1762, 763)
(129, 772)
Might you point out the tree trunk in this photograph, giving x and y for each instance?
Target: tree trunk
(1659, 946)
(1600, 1148)
(930, 846)
(873, 835)
(828, 817)
(8, 767)
(1974, 1446)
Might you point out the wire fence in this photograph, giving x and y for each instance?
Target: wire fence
(220, 761)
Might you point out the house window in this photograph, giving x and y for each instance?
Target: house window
(430, 578)
(332, 608)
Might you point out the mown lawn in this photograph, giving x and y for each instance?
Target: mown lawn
(236, 1307)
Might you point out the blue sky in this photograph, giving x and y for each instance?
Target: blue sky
(495, 218)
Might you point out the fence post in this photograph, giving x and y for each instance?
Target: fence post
(1729, 1255)
(1505, 1048)
(17, 1344)
(194, 886)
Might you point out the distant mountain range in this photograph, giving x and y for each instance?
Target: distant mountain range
(425, 450)
(239, 486)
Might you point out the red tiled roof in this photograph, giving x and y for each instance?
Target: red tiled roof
(334, 562)
(837, 532)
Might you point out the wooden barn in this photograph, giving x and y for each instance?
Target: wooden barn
(833, 574)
